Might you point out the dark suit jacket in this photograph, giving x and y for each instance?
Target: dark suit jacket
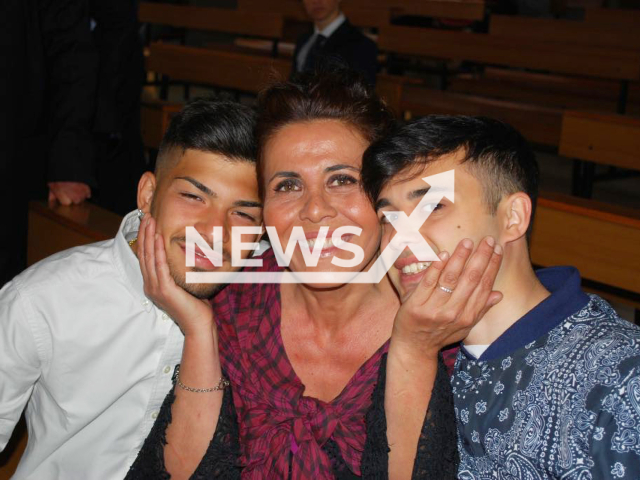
(349, 44)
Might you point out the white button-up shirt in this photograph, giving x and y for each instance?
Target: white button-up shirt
(90, 357)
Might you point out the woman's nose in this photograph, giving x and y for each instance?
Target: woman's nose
(318, 206)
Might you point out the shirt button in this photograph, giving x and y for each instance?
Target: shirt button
(167, 369)
(165, 317)
(145, 302)
(154, 415)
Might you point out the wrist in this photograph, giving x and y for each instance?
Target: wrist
(413, 348)
(201, 335)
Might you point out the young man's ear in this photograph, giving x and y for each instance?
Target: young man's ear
(146, 189)
(516, 216)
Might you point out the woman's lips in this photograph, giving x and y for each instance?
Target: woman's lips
(329, 247)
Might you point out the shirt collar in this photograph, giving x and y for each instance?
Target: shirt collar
(566, 299)
(332, 27)
(126, 260)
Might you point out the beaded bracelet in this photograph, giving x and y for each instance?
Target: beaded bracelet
(222, 384)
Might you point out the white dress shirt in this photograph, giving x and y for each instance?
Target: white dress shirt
(325, 32)
(89, 355)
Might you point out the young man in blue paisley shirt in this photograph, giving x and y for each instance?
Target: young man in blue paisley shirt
(547, 383)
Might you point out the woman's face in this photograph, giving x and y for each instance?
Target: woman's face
(311, 172)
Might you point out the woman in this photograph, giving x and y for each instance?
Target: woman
(324, 377)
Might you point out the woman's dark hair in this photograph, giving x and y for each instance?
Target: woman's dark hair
(496, 154)
(221, 127)
(336, 94)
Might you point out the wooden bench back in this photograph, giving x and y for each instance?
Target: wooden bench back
(262, 24)
(292, 9)
(593, 61)
(239, 71)
(449, 9)
(614, 17)
(607, 139)
(564, 31)
(538, 124)
(367, 13)
(599, 239)
(155, 118)
(52, 230)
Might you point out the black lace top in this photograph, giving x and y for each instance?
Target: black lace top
(437, 455)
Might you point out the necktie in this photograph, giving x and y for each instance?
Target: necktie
(314, 53)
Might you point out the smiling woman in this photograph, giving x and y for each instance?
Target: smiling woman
(326, 380)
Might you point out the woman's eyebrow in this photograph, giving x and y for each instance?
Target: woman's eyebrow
(333, 168)
(285, 175)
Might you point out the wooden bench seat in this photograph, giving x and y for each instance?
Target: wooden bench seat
(564, 31)
(53, 229)
(615, 17)
(605, 139)
(538, 124)
(590, 61)
(447, 9)
(601, 240)
(232, 70)
(263, 24)
(366, 13)
(545, 89)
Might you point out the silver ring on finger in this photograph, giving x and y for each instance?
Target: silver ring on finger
(445, 289)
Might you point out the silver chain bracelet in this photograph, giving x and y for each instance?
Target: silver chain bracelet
(222, 384)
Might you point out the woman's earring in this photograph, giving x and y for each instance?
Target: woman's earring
(140, 214)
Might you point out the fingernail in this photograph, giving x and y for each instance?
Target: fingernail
(466, 243)
(156, 236)
(498, 249)
(443, 256)
(491, 241)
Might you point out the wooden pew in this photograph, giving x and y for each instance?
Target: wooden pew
(615, 17)
(546, 89)
(232, 70)
(586, 60)
(596, 138)
(155, 118)
(53, 229)
(540, 125)
(564, 31)
(362, 12)
(263, 24)
(10, 456)
(606, 139)
(601, 240)
(471, 10)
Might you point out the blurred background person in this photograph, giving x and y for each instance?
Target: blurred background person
(50, 87)
(334, 37)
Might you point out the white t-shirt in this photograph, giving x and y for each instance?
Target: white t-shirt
(476, 350)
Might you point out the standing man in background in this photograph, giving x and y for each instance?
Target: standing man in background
(49, 83)
(334, 37)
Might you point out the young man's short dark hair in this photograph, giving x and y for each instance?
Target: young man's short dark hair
(495, 153)
(221, 127)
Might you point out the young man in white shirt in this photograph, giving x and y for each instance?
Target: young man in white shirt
(80, 344)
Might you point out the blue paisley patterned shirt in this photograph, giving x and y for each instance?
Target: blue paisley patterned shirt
(556, 396)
